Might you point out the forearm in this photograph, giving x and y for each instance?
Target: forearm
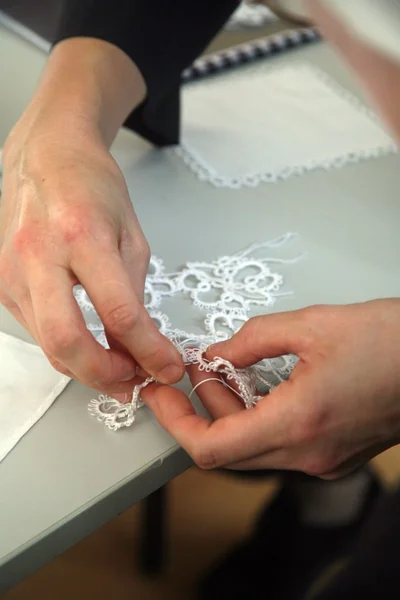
(367, 34)
(377, 68)
(88, 86)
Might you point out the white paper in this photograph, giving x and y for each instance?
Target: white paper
(28, 387)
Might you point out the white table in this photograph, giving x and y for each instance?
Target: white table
(69, 474)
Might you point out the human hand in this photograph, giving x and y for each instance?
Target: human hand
(66, 218)
(339, 408)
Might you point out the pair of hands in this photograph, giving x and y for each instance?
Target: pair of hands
(66, 217)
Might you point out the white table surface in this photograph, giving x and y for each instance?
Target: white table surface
(69, 474)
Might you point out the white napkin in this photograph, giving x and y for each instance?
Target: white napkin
(259, 124)
(28, 387)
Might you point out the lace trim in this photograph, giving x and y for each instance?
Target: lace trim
(205, 172)
(240, 283)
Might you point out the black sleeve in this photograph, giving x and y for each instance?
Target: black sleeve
(162, 37)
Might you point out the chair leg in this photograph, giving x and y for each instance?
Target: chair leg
(153, 532)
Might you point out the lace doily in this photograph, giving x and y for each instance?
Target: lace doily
(225, 291)
(262, 125)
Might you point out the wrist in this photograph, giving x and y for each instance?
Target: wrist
(88, 88)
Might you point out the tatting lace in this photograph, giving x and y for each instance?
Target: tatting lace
(236, 293)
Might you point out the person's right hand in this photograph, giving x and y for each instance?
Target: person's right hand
(66, 218)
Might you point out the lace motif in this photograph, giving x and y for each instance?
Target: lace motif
(238, 284)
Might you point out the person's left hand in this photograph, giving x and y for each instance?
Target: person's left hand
(339, 408)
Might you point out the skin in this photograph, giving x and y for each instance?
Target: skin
(339, 408)
(66, 216)
(341, 405)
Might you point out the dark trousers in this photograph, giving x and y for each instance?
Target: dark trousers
(373, 572)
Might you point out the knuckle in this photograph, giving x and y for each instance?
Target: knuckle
(250, 330)
(320, 465)
(25, 240)
(59, 340)
(313, 320)
(58, 366)
(310, 427)
(6, 301)
(140, 247)
(74, 225)
(120, 318)
(105, 380)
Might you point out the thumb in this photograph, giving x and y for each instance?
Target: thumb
(262, 337)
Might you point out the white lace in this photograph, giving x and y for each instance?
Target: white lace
(295, 93)
(248, 16)
(236, 293)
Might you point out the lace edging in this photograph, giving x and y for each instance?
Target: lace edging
(205, 172)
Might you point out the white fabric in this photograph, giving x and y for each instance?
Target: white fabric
(28, 387)
(261, 125)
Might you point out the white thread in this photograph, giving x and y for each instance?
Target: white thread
(115, 415)
(226, 276)
(201, 383)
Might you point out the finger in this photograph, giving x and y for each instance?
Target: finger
(217, 399)
(116, 345)
(279, 460)
(118, 391)
(110, 289)
(230, 439)
(63, 333)
(14, 310)
(24, 316)
(262, 337)
(12, 306)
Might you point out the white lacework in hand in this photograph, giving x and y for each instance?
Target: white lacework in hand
(235, 293)
(251, 385)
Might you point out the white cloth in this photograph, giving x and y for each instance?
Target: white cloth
(263, 125)
(28, 387)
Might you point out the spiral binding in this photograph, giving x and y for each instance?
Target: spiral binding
(248, 52)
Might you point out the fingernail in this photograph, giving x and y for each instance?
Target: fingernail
(130, 375)
(124, 398)
(170, 374)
